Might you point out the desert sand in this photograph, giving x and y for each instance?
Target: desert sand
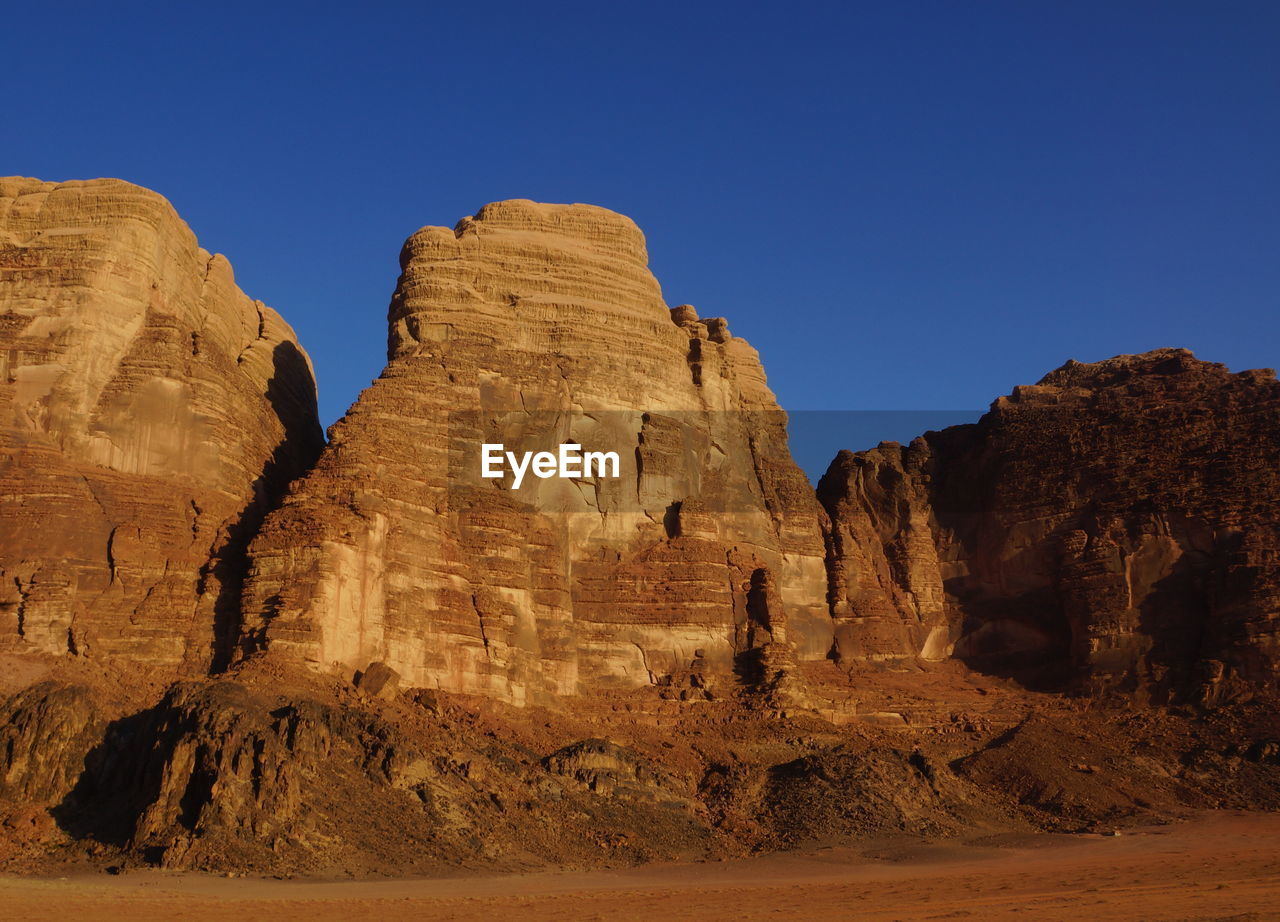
(1217, 866)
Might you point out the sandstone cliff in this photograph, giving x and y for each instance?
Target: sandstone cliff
(149, 412)
(532, 325)
(1114, 528)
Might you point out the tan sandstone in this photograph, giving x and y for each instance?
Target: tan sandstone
(531, 325)
(149, 412)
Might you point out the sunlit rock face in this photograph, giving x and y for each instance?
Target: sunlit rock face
(532, 325)
(887, 596)
(1112, 529)
(149, 412)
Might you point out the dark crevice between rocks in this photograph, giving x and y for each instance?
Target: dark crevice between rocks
(292, 394)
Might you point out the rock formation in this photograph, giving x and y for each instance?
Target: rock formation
(46, 732)
(886, 591)
(149, 413)
(1114, 528)
(533, 325)
(392, 626)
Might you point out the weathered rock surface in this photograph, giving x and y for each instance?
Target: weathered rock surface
(865, 790)
(606, 768)
(46, 732)
(266, 775)
(531, 325)
(216, 769)
(379, 679)
(149, 412)
(886, 592)
(1115, 528)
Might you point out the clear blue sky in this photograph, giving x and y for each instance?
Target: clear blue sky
(902, 205)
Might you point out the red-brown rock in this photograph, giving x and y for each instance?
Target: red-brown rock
(1115, 527)
(149, 413)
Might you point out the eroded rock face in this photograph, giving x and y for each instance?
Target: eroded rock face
(215, 768)
(1115, 527)
(531, 325)
(606, 768)
(222, 774)
(149, 412)
(46, 732)
(886, 595)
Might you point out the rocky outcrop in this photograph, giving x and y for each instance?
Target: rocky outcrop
(216, 768)
(46, 732)
(530, 326)
(149, 414)
(605, 768)
(1114, 528)
(262, 774)
(886, 588)
(865, 790)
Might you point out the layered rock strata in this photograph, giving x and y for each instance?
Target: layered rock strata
(149, 413)
(1114, 528)
(533, 325)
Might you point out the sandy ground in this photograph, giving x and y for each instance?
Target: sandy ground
(1221, 866)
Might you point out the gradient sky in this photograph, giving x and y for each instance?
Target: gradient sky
(908, 205)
